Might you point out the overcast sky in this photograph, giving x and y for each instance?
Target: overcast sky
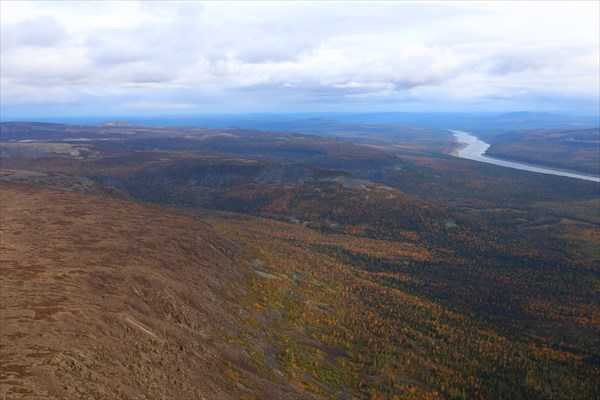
(141, 58)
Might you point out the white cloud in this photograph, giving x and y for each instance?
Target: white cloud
(158, 106)
(245, 54)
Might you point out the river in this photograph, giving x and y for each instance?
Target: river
(475, 149)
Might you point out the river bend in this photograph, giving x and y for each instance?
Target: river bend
(475, 149)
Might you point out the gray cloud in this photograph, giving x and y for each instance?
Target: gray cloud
(38, 32)
(244, 55)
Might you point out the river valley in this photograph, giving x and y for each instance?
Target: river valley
(475, 149)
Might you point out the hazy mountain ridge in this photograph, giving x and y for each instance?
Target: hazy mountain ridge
(282, 146)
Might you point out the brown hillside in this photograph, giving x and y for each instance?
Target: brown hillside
(104, 298)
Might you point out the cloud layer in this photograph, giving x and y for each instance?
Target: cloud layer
(170, 57)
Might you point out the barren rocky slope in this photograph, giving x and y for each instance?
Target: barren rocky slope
(105, 298)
